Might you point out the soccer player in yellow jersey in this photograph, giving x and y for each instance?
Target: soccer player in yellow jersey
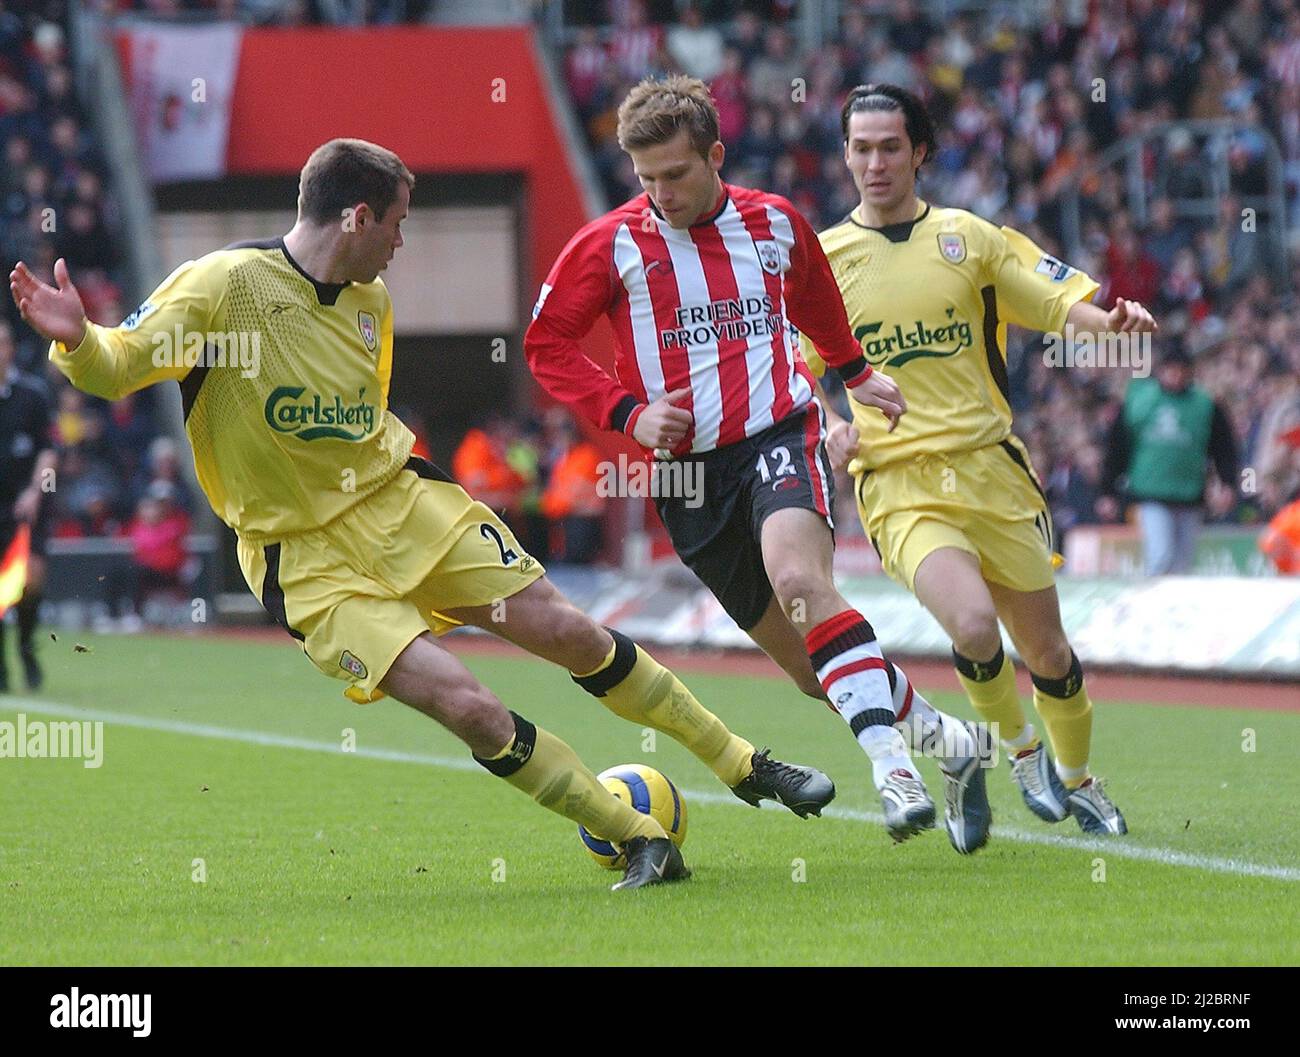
(363, 553)
(950, 499)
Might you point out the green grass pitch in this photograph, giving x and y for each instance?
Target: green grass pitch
(228, 751)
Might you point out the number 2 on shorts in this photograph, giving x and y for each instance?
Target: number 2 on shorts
(490, 532)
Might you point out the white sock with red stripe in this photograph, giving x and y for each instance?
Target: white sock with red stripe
(854, 675)
(925, 729)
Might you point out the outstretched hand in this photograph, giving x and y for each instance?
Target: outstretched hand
(1129, 317)
(56, 314)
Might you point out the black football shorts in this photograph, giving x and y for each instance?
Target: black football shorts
(716, 531)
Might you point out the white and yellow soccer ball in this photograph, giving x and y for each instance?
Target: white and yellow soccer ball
(649, 792)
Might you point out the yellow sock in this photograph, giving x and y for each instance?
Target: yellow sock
(550, 772)
(991, 687)
(1067, 714)
(632, 684)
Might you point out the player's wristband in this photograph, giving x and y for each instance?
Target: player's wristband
(625, 414)
(855, 372)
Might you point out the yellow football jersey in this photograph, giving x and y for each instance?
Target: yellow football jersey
(284, 383)
(930, 300)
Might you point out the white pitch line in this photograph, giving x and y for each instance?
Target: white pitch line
(1119, 849)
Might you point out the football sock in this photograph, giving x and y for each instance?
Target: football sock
(550, 772)
(925, 729)
(633, 685)
(1026, 741)
(855, 677)
(1067, 714)
(991, 687)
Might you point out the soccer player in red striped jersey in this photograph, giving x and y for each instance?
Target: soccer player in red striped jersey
(702, 282)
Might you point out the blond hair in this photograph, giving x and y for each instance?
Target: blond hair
(655, 111)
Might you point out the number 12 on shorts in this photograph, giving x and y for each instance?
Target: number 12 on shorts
(781, 455)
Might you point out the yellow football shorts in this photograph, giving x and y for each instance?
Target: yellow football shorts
(987, 502)
(357, 591)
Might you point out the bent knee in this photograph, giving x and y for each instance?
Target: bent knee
(799, 587)
(1050, 659)
(975, 634)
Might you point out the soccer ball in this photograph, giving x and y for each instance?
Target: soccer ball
(649, 792)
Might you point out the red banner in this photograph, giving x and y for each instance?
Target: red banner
(446, 100)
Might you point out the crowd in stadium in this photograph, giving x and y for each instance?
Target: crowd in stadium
(117, 476)
(53, 204)
(1019, 117)
(1018, 120)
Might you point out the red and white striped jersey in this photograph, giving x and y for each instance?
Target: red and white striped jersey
(709, 308)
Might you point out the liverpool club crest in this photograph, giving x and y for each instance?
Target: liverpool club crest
(953, 247)
(366, 324)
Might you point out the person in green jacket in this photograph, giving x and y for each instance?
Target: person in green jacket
(1161, 444)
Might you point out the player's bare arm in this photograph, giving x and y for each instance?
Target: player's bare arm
(1127, 317)
(842, 437)
(57, 314)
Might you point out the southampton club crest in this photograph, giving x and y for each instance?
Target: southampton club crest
(953, 247)
(769, 256)
(366, 324)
